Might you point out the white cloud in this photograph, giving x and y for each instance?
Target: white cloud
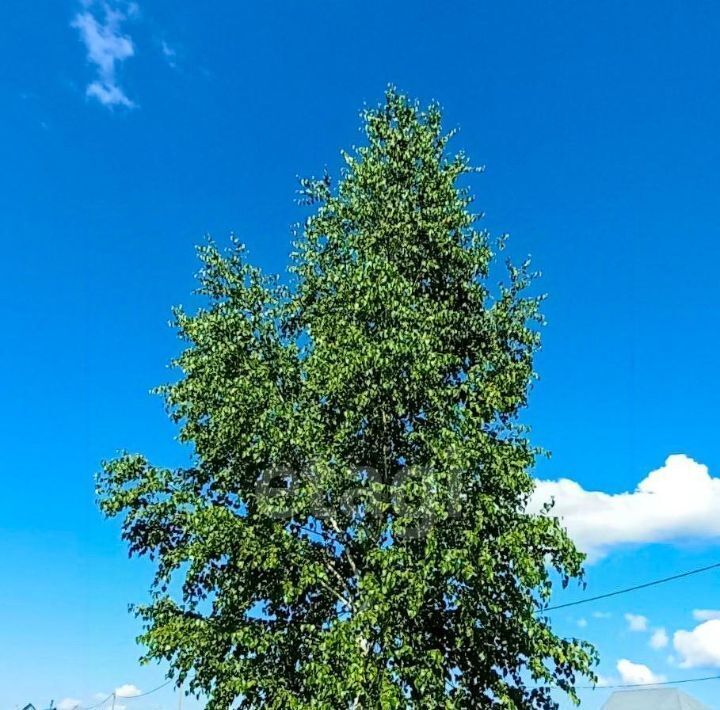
(169, 53)
(106, 47)
(659, 639)
(636, 622)
(637, 673)
(676, 502)
(582, 623)
(127, 691)
(706, 614)
(108, 95)
(603, 681)
(68, 704)
(699, 648)
(601, 614)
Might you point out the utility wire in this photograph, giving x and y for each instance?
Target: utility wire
(124, 698)
(577, 602)
(634, 588)
(149, 692)
(97, 705)
(649, 685)
(597, 597)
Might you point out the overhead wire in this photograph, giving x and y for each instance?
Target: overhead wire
(149, 692)
(634, 588)
(97, 705)
(577, 602)
(123, 697)
(650, 685)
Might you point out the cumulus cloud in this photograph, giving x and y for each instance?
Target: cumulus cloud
(676, 502)
(699, 648)
(636, 622)
(706, 614)
(637, 673)
(659, 639)
(127, 691)
(100, 28)
(68, 704)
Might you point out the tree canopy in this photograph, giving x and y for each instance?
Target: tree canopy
(353, 531)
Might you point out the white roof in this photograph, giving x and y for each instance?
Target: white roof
(652, 699)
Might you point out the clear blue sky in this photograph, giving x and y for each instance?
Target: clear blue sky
(598, 124)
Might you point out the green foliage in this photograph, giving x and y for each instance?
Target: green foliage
(354, 531)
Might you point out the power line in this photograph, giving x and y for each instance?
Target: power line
(114, 696)
(577, 602)
(634, 588)
(650, 685)
(149, 692)
(97, 705)
(606, 595)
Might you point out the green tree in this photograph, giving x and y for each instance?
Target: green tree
(353, 532)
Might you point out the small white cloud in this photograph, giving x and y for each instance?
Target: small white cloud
(169, 53)
(603, 681)
(636, 622)
(706, 614)
(659, 639)
(601, 614)
(582, 623)
(68, 704)
(699, 648)
(678, 501)
(108, 95)
(106, 47)
(127, 691)
(637, 673)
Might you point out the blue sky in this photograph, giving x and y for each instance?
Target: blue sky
(128, 136)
